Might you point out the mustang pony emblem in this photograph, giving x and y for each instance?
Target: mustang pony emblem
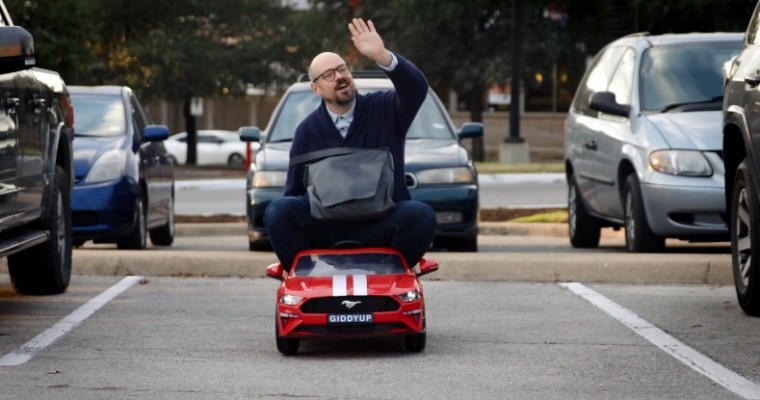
(349, 304)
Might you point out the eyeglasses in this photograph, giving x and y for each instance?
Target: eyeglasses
(329, 75)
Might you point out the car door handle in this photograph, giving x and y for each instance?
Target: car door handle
(37, 104)
(753, 79)
(11, 102)
(591, 144)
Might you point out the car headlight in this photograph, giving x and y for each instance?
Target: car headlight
(108, 167)
(269, 179)
(290, 299)
(409, 296)
(680, 162)
(445, 175)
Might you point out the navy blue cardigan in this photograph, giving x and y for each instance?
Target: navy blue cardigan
(381, 119)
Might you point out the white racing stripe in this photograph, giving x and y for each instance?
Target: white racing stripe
(360, 285)
(679, 350)
(45, 339)
(340, 286)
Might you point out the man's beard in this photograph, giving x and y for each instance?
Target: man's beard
(345, 99)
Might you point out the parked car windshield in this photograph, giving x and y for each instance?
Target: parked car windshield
(349, 264)
(430, 122)
(681, 74)
(99, 115)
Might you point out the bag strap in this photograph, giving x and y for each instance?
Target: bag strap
(316, 155)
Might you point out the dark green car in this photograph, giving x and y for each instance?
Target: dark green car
(439, 171)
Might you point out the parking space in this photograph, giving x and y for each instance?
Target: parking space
(213, 338)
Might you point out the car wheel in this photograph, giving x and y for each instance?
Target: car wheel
(416, 342)
(285, 346)
(136, 240)
(745, 222)
(235, 160)
(639, 237)
(46, 268)
(164, 235)
(584, 230)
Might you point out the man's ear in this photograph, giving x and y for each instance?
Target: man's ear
(315, 88)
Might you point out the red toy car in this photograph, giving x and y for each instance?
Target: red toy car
(364, 292)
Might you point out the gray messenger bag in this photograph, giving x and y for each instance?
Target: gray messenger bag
(347, 184)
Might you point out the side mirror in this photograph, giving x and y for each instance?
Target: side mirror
(275, 271)
(16, 49)
(155, 133)
(250, 133)
(605, 102)
(727, 72)
(471, 130)
(427, 266)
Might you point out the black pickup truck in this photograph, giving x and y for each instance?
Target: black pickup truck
(36, 132)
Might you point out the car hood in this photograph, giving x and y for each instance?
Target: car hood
(420, 153)
(690, 130)
(87, 150)
(377, 285)
(427, 153)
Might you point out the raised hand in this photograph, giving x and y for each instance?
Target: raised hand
(368, 41)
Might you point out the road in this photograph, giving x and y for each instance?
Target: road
(212, 338)
(227, 196)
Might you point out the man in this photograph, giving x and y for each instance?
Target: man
(347, 119)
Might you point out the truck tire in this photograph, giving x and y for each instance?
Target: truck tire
(46, 268)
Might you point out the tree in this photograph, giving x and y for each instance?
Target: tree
(195, 48)
(62, 42)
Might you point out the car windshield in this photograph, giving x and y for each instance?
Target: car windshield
(430, 122)
(99, 115)
(349, 264)
(678, 75)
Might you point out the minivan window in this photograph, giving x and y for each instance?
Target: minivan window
(684, 73)
(621, 83)
(598, 76)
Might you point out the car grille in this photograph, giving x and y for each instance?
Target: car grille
(363, 304)
(351, 329)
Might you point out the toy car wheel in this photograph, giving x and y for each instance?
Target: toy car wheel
(584, 230)
(136, 240)
(415, 343)
(164, 235)
(46, 268)
(285, 346)
(745, 222)
(639, 237)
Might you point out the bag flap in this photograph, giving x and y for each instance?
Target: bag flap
(347, 177)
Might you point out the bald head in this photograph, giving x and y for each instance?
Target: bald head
(322, 62)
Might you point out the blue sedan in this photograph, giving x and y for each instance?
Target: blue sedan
(124, 180)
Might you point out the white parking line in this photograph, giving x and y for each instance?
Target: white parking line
(45, 339)
(679, 350)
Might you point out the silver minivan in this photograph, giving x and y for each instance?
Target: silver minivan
(643, 141)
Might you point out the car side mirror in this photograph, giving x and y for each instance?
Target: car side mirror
(471, 130)
(155, 133)
(605, 102)
(250, 133)
(275, 271)
(427, 266)
(16, 49)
